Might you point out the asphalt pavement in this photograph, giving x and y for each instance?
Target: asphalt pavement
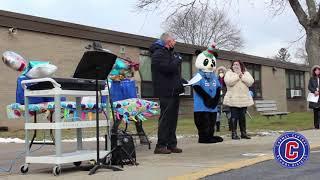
(272, 170)
(196, 161)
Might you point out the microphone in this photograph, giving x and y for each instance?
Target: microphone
(96, 46)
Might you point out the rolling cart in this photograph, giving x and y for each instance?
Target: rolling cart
(58, 125)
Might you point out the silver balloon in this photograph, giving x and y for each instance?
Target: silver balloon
(14, 61)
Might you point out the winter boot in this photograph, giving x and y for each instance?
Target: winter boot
(234, 135)
(234, 129)
(242, 124)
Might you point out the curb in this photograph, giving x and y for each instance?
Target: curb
(227, 167)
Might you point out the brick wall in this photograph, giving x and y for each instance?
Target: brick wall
(64, 52)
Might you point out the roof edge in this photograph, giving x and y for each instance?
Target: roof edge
(68, 29)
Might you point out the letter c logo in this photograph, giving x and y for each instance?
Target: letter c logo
(291, 150)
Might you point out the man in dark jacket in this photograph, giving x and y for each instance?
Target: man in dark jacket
(167, 85)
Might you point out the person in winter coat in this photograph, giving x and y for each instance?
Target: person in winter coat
(167, 85)
(221, 71)
(238, 80)
(313, 87)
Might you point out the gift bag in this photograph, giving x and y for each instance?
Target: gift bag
(124, 89)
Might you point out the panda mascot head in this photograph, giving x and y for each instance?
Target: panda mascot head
(206, 60)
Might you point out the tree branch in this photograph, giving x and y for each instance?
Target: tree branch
(277, 6)
(298, 10)
(191, 4)
(297, 40)
(180, 6)
(142, 4)
(315, 20)
(203, 25)
(311, 8)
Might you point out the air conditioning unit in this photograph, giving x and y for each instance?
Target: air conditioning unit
(298, 93)
(187, 91)
(295, 93)
(292, 92)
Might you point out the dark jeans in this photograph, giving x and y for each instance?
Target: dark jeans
(316, 117)
(238, 115)
(168, 122)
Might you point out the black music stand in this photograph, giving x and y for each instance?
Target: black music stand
(96, 65)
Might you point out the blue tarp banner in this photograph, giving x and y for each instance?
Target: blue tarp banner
(124, 89)
(32, 100)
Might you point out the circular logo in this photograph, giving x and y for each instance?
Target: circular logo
(291, 150)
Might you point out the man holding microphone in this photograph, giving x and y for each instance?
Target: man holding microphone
(167, 85)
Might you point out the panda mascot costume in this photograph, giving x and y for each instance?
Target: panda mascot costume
(206, 95)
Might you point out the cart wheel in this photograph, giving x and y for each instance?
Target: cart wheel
(24, 168)
(56, 170)
(93, 162)
(77, 164)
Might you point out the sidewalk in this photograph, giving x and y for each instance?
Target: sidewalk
(197, 160)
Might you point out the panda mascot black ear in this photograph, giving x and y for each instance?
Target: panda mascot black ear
(197, 52)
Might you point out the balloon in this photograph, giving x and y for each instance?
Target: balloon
(14, 60)
(41, 71)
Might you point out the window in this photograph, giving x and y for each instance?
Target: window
(145, 67)
(145, 71)
(255, 71)
(145, 74)
(186, 72)
(295, 84)
(186, 66)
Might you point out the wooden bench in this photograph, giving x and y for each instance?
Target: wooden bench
(269, 108)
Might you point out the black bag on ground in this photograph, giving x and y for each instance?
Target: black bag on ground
(125, 152)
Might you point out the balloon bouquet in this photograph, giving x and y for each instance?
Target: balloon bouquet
(130, 109)
(35, 69)
(30, 70)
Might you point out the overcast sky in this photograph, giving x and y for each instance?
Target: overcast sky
(264, 34)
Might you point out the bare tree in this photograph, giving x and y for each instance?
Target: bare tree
(307, 13)
(177, 6)
(283, 55)
(203, 25)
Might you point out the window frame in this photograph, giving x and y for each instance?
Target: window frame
(301, 82)
(257, 83)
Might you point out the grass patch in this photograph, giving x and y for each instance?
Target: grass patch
(292, 122)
